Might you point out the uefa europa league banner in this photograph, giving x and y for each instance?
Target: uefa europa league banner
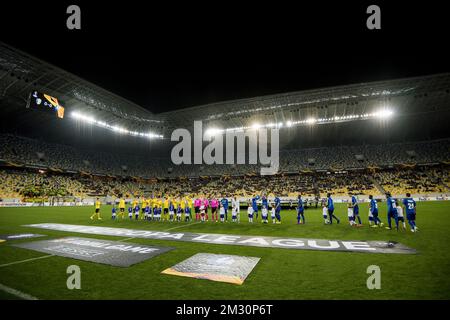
(253, 241)
(114, 253)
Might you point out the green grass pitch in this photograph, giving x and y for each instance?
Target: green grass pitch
(280, 274)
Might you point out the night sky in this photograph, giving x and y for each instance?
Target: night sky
(170, 55)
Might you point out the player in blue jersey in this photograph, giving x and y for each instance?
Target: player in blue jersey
(373, 207)
(391, 211)
(300, 210)
(330, 207)
(187, 213)
(179, 212)
(224, 202)
(130, 212)
(113, 212)
(157, 212)
(277, 202)
(255, 207)
(136, 211)
(410, 209)
(171, 210)
(147, 215)
(264, 202)
(355, 206)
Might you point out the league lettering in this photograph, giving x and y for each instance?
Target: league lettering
(267, 242)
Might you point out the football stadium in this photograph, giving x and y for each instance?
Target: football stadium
(329, 193)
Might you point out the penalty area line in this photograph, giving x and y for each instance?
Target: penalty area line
(17, 293)
(23, 261)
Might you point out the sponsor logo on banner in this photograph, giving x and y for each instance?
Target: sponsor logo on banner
(20, 236)
(254, 241)
(114, 253)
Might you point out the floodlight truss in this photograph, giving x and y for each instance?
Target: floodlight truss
(20, 73)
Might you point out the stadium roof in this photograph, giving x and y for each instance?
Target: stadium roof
(20, 73)
(418, 94)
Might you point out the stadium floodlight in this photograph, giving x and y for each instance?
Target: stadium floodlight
(239, 129)
(75, 114)
(82, 117)
(119, 129)
(383, 114)
(152, 135)
(91, 120)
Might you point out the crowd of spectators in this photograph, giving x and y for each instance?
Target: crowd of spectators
(344, 183)
(414, 181)
(29, 184)
(66, 171)
(35, 152)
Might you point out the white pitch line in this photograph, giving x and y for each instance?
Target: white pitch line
(186, 225)
(17, 293)
(128, 239)
(22, 261)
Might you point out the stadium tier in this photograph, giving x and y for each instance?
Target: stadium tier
(31, 185)
(36, 170)
(21, 151)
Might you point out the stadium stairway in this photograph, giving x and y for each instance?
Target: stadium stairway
(377, 185)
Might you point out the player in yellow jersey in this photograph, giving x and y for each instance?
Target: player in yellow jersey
(144, 204)
(97, 210)
(160, 205)
(144, 208)
(122, 207)
(175, 202)
(183, 202)
(188, 201)
(154, 202)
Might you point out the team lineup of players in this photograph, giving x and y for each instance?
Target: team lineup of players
(179, 209)
(394, 212)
